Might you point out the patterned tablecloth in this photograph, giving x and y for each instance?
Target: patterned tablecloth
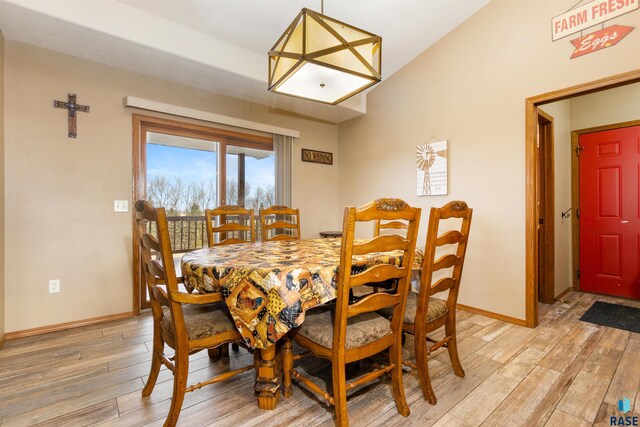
(269, 286)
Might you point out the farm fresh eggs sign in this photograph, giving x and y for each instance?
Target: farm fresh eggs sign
(588, 15)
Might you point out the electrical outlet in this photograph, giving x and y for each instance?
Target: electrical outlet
(54, 286)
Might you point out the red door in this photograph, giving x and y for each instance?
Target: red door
(609, 212)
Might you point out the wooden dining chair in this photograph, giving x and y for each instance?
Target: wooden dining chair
(280, 223)
(187, 323)
(241, 230)
(425, 314)
(354, 331)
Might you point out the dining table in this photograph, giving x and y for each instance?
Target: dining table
(269, 286)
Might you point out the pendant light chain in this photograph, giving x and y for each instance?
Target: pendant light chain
(322, 7)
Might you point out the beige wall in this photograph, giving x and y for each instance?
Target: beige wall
(470, 88)
(60, 191)
(617, 105)
(561, 113)
(2, 199)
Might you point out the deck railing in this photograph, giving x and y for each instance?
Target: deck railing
(188, 233)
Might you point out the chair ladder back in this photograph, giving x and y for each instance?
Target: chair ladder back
(385, 209)
(225, 230)
(459, 209)
(377, 273)
(162, 270)
(343, 281)
(166, 254)
(145, 216)
(454, 209)
(279, 214)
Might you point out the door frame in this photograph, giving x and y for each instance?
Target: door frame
(548, 200)
(140, 125)
(531, 175)
(575, 191)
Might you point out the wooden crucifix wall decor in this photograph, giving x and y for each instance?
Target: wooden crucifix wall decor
(72, 106)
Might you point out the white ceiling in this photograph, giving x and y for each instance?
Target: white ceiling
(221, 45)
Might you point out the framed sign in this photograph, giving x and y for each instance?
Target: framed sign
(431, 165)
(314, 156)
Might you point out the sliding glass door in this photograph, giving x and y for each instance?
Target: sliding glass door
(188, 168)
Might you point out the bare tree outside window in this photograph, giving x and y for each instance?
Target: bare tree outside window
(256, 198)
(179, 198)
(262, 197)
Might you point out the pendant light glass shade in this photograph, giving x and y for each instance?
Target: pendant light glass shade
(325, 60)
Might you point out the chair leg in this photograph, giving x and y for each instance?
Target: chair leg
(235, 347)
(340, 393)
(180, 373)
(156, 364)
(452, 347)
(397, 389)
(423, 367)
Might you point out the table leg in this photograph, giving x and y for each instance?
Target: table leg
(287, 366)
(215, 353)
(267, 385)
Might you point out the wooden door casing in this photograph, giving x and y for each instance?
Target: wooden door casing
(546, 208)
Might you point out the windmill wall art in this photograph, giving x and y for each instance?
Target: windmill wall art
(431, 162)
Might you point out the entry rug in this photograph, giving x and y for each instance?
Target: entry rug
(613, 315)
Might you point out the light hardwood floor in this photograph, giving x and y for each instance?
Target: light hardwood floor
(563, 373)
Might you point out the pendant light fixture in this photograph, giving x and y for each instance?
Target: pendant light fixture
(322, 59)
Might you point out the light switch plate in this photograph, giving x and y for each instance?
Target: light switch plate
(54, 286)
(121, 206)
